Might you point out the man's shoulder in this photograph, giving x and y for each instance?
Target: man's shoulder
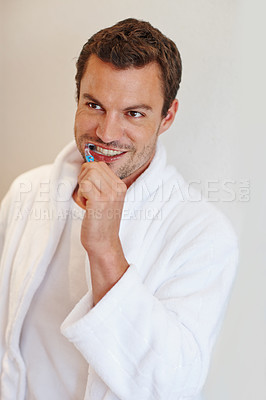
(32, 177)
(28, 182)
(41, 171)
(192, 216)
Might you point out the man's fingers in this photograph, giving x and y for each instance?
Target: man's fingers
(100, 181)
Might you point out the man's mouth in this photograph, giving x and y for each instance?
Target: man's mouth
(106, 152)
(103, 154)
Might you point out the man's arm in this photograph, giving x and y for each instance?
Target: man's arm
(102, 195)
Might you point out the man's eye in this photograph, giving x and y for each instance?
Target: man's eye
(135, 114)
(94, 106)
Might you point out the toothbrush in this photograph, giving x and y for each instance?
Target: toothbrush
(88, 155)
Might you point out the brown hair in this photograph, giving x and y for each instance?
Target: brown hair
(135, 43)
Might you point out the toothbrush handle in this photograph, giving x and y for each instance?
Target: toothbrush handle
(88, 155)
(89, 158)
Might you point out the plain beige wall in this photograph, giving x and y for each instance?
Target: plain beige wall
(218, 136)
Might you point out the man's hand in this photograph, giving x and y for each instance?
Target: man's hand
(101, 193)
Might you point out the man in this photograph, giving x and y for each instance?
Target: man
(113, 284)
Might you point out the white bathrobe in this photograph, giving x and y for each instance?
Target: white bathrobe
(151, 335)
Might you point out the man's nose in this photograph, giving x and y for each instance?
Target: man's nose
(109, 128)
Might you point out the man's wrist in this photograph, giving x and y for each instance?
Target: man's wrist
(106, 270)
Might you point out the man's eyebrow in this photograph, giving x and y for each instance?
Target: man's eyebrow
(88, 96)
(138, 106)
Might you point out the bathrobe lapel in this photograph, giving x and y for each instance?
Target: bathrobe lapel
(39, 237)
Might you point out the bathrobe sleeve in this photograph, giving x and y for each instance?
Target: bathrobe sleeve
(155, 344)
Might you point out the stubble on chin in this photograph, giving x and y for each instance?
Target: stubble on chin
(133, 166)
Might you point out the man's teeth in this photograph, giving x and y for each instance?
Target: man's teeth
(107, 152)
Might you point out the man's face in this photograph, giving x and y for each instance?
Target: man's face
(119, 111)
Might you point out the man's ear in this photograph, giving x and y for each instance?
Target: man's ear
(169, 118)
